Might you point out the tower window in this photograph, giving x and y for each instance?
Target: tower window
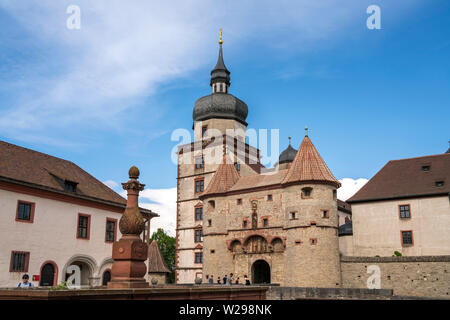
(405, 212)
(269, 197)
(198, 237)
(209, 223)
(306, 192)
(199, 185)
(198, 213)
(199, 163)
(407, 238)
(293, 215)
(198, 257)
(313, 241)
(325, 214)
(244, 223)
(265, 222)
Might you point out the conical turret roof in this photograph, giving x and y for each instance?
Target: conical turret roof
(223, 179)
(308, 166)
(156, 262)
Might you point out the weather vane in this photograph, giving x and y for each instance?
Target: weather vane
(220, 39)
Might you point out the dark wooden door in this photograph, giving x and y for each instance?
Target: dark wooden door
(47, 275)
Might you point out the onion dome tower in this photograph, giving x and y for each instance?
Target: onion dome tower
(287, 156)
(220, 104)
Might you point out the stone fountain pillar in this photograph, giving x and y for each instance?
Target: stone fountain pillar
(130, 252)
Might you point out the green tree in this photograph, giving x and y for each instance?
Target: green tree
(166, 245)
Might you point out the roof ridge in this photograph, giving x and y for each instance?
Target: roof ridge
(429, 156)
(33, 151)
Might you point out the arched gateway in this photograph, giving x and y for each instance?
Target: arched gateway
(260, 272)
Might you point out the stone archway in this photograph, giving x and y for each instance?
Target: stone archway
(88, 268)
(260, 272)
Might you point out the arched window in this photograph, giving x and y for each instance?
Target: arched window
(106, 277)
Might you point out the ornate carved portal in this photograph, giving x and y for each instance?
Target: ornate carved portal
(256, 244)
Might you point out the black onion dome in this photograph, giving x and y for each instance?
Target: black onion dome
(287, 155)
(220, 105)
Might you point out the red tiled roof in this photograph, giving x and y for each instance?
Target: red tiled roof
(308, 165)
(39, 170)
(259, 180)
(156, 262)
(407, 178)
(223, 179)
(344, 206)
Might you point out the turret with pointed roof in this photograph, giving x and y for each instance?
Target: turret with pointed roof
(224, 178)
(308, 166)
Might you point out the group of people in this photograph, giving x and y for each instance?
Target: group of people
(227, 279)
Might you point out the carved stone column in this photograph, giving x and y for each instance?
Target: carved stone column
(130, 252)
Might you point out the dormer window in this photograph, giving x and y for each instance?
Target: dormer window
(70, 186)
(439, 183)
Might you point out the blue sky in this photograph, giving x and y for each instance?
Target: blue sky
(109, 95)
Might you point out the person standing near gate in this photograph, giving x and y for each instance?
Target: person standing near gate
(25, 283)
(211, 279)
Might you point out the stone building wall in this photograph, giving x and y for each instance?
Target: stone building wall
(427, 276)
(186, 268)
(301, 251)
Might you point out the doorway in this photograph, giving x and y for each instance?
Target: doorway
(260, 272)
(48, 273)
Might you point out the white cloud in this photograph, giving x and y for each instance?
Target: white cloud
(124, 51)
(163, 202)
(350, 187)
(110, 183)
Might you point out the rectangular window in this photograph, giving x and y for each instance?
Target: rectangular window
(407, 238)
(198, 257)
(25, 211)
(293, 215)
(244, 224)
(325, 214)
(269, 197)
(405, 211)
(19, 261)
(204, 129)
(209, 223)
(110, 230)
(198, 213)
(198, 235)
(199, 186)
(265, 222)
(239, 202)
(83, 226)
(199, 163)
(313, 241)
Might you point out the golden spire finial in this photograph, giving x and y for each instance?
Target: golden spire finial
(220, 38)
